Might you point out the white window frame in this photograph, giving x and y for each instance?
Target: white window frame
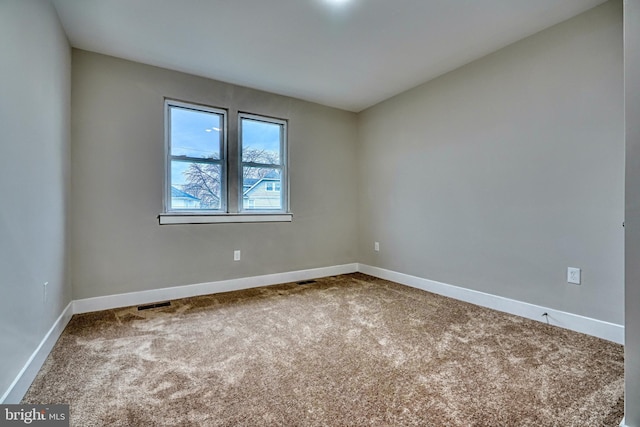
(168, 104)
(224, 215)
(283, 166)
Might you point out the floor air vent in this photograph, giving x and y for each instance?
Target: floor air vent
(306, 282)
(156, 305)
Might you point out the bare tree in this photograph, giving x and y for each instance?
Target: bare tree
(203, 182)
(254, 155)
(203, 179)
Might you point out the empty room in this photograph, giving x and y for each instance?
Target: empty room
(320, 213)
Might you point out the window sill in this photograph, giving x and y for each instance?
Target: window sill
(190, 218)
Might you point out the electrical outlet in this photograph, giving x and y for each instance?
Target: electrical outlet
(376, 246)
(44, 292)
(236, 255)
(573, 275)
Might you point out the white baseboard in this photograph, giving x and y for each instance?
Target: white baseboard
(622, 424)
(574, 322)
(27, 374)
(176, 292)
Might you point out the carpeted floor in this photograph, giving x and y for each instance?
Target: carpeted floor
(349, 350)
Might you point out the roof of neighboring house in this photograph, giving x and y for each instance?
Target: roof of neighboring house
(181, 194)
(248, 184)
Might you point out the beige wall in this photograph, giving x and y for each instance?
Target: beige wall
(117, 185)
(500, 175)
(35, 86)
(632, 214)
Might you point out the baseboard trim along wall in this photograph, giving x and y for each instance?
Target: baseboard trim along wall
(20, 385)
(27, 374)
(176, 292)
(574, 322)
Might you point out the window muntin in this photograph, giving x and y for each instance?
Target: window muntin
(196, 164)
(263, 181)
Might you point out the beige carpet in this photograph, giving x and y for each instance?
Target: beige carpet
(346, 351)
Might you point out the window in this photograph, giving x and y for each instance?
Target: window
(201, 183)
(263, 170)
(196, 164)
(273, 186)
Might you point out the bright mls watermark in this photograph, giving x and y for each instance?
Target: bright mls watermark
(34, 415)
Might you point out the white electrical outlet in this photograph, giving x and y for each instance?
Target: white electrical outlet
(236, 255)
(376, 246)
(573, 275)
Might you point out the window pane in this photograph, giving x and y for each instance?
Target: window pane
(261, 189)
(195, 185)
(261, 141)
(195, 133)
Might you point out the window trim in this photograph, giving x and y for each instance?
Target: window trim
(224, 215)
(222, 161)
(283, 166)
(193, 218)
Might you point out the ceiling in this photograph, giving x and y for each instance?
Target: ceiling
(345, 54)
